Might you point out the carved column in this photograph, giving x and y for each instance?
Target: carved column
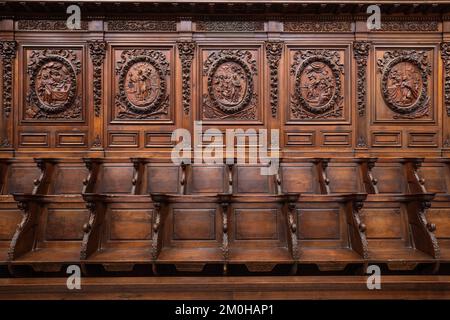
(186, 51)
(97, 51)
(8, 54)
(274, 50)
(361, 52)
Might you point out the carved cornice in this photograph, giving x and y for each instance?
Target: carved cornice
(412, 26)
(445, 54)
(97, 50)
(361, 52)
(142, 25)
(8, 54)
(274, 50)
(186, 50)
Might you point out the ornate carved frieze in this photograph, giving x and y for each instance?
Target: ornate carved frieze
(142, 85)
(230, 85)
(318, 85)
(273, 53)
(361, 52)
(445, 54)
(43, 25)
(186, 51)
(413, 26)
(97, 50)
(8, 54)
(317, 26)
(142, 25)
(404, 82)
(53, 88)
(230, 26)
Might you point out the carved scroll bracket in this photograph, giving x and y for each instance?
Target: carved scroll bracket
(97, 50)
(186, 51)
(361, 52)
(274, 50)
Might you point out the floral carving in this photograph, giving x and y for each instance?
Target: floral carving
(318, 84)
(97, 50)
(273, 53)
(8, 54)
(445, 54)
(186, 50)
(361, 52)
(142, 85)
(404, 82)
(53, 87)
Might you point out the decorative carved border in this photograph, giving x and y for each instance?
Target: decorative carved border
(244, 58)
(161, 104)
(412, 26)
(418, 58)
(97, 50)
(445, 54)
(8, 54)
(43, 25)
(317, 26)
(186, 51)
(334, 107)
(71, 109)
(274, 50)
(230, 26)
(361, 52)
(142, 25)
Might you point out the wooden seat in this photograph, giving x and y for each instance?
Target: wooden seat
(119, 232)
(16, 176)
(435, 176)
(393, 214)
(52, 228)
(328, 225)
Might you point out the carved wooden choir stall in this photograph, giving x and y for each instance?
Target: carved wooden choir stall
(87, 176)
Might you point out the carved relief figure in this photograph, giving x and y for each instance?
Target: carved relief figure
(230, 88)
(142, 85)
(53, 91)
(404, 83)
(317, 85)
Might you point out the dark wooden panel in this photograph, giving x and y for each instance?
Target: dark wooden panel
(116, 178)
(321, 224)
(250, 180)
(202, 219)
(9, 221)
(256, 224)
(298, 178)
(383, 223)
(131, 224)
(163, 179)
(69, 180)
(65, 224)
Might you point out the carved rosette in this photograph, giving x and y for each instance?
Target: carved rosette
(186, 51)
(404, 83)
(445, 54)
(318, 85)
(97, 50)
(273, 53)
(53, 91)
(8, 54)
(142, 85)
(361, 52)
(230, 86)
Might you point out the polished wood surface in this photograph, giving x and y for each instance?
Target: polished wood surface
(87, 179)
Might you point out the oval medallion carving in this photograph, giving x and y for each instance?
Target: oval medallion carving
(143, 84)
(318, 84)
(55, 84)
(402, 86)
(404, 82)
(230, 84)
